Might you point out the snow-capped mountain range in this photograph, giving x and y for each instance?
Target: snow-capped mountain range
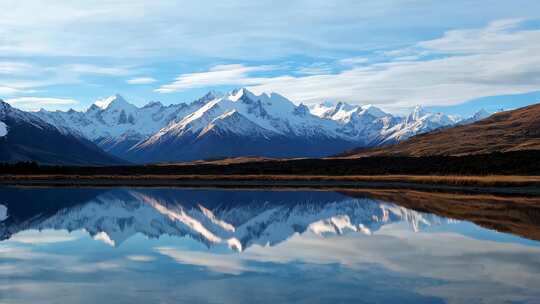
(239, 123)
(254, 218)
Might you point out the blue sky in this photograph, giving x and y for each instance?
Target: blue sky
(454, 56)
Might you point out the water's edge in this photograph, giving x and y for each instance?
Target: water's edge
(527, 190)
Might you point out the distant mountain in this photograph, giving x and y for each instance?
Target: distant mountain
(479, 115)
(236, 220)
(117, 125)
(26, 137)
(239, 123)
(501, 132)
(370, 126)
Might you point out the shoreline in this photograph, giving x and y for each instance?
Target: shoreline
(496, 184)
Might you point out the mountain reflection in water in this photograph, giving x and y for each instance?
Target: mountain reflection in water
(236, 219)
(139, 245)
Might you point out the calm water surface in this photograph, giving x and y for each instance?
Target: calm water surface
(136, 245)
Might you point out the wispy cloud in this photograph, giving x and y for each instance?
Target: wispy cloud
(96, 69)
(35, 237)
(314, 69)
(353, 60)
(8, 91)
(23, 78)
(479, 67)
(498, 36)
(229, 264)
(140, 258)
(228, 74)
(141, 80)
(14, 68)
(372, 48)
(215, 29)
(500, 58)
(35, 103)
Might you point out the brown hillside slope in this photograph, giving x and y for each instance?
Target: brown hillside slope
(502, 132)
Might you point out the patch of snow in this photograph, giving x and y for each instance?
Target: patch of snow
(3, 213)
(3, 129)
(481, 114)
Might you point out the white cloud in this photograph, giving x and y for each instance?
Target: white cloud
(35, 103)
(35, 237)
(233, 29)
(205, 31)
(96, 69)
(511, 267)
(428, 255)
(140, 258)
(228, 74)
(8, 91)
(141, 80)
(314, 69)
(14, 68)
(464, 64)
(498, 36)
(353, 60)
(229, 264)
(18, 77)
(133, 28)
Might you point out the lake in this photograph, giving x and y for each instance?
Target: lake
(171, 245)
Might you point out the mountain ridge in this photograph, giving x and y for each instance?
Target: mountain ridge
(266, 125)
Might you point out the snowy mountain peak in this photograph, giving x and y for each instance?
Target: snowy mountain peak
(119, 103)
(113, 102)
(4, 108)
(3, 130)
(92, 108)
(344, 106)
(336, 111)
(153, 104)
(211, 95)
(481, 114)
(301, 110)
(243, 94)
(417, 113)
(236, 94)
(104, 103)
(419, 110)
(373, 111)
